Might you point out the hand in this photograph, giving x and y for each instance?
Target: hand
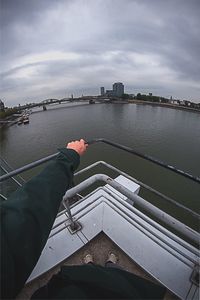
(79, 146)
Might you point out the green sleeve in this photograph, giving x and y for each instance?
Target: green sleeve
(27, 218)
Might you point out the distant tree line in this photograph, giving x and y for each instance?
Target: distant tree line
(190, 104)
(144, 97)
(151, 98)
(8, 112)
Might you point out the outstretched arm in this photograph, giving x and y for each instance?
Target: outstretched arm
(28, 215)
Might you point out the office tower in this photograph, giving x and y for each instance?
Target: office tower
(118, 89)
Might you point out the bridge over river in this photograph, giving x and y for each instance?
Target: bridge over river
(48, 102)
(10, 120)
(54, 101)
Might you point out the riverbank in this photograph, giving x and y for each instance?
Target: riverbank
(168, 135)
(9, 121)
(141, 102)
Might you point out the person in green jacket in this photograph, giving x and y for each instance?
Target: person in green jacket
(26, 221)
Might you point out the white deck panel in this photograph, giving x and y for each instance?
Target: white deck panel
(193, 293)
(93, 221)
(127, 183)
(158, 254)
(57, 248)
(158, 262)
(124, 207)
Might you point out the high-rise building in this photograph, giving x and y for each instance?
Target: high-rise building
(102, 91)
(1, 105)
(109, 93)
(118, 89)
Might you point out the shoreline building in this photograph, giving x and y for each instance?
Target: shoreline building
(102, 91)
(117, 90)
(109, 93)
(2, 106)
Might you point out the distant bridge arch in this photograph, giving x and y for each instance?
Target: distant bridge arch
(47, 101)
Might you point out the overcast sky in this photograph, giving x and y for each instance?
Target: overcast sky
(52, 48)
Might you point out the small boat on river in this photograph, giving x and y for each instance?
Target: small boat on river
(26, 120)
(20, 121)
(91, 101)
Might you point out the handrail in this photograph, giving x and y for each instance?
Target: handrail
(15, 180)
(152, 190)
(102, 140)
(147, 157)
(3, 197)
(153, 210)
(28, 167)
(3, 161)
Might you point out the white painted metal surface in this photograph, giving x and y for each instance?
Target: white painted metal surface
(149, 244)
(162, 216)
(129, 184)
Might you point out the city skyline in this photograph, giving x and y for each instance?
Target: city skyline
(56, 48)
(107, 93)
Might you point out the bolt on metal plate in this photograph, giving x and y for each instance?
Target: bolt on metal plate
(74, 227)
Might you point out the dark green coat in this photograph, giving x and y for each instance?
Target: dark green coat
(26, 221)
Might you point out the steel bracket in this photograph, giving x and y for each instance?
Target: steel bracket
(194, 278)
(74, 227)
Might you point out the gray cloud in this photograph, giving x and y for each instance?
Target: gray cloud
(51, 48)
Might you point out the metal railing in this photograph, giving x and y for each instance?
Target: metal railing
(116, 145)
(152, 190)
(6, 168)
(63, 224)
(125, 148)
(142, 203)
(164, 217)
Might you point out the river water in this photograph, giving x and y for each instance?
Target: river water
(170, 135)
